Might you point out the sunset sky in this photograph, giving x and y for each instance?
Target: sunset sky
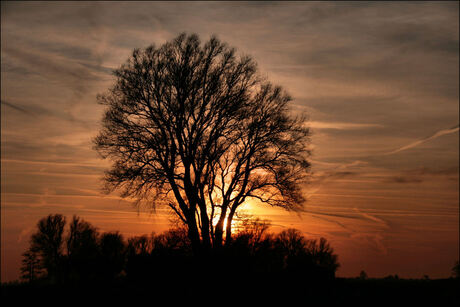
(379, 81)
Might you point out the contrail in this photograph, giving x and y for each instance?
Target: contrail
(336, 169)
(416, 143)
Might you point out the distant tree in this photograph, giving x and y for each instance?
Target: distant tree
(291, 247)
(48, 243)
(252, 238)
(112, 253)
(31, 268)
(82, 249)
(254, 247)
(291, 243)
(301, 255)
(139, 259)
(363, 275)
(195, 127)
(174, 239)
(456, 270)
(82, 237)
(255, 229)
(141, 245)
(323, 254)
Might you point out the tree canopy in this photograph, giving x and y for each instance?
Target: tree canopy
(196, 127)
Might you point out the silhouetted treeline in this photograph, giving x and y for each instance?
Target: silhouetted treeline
(75, 261)
(79, 254)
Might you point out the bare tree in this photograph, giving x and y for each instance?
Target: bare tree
(113, 252)
(195, 127)
(255, 229)
(323, 254)
(81, 239)
(312, 255)
(82, 250)
(456, 270)
(141, 245)
(47, 242)
(31, 268)
(291, 243)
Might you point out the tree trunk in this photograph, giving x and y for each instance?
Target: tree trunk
(218, 235)
(205, 233)
(228, 231)
(219, 231)
(193, 234)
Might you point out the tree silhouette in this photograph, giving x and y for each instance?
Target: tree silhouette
(196, 127)
(31, 268)
(112, 252)
(456, 270)
(138, 257)
(47, 242)
(82, 250)
(299, 255)
(93, 260)
(252, 249)
(140, 245)
(323, 257)
(254, 231)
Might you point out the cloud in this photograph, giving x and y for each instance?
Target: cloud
(373, 240)
(331, 221)
(334, 171)
(404, 179)
(42, 112)
(25, 234)
(65, 71)
(436, 172)
(370, 217)
(420, 175)
(15, 107)
(424, 140)
(331, 214)
(340, 125)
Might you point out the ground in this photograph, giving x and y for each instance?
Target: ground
(259, 290)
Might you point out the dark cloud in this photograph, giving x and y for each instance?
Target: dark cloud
(74, 76)
(333, 174)
(45, 113)
(423, 174)
(404, 179)
(436, 172)
(347, 216)
(409, 47)
(359, 109)
(15, 107)
(412, 37)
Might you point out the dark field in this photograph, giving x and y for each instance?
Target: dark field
(254, 290)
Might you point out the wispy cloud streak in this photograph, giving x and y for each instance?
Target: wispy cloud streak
(17, 108)
(424, 140)
(341, 125)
